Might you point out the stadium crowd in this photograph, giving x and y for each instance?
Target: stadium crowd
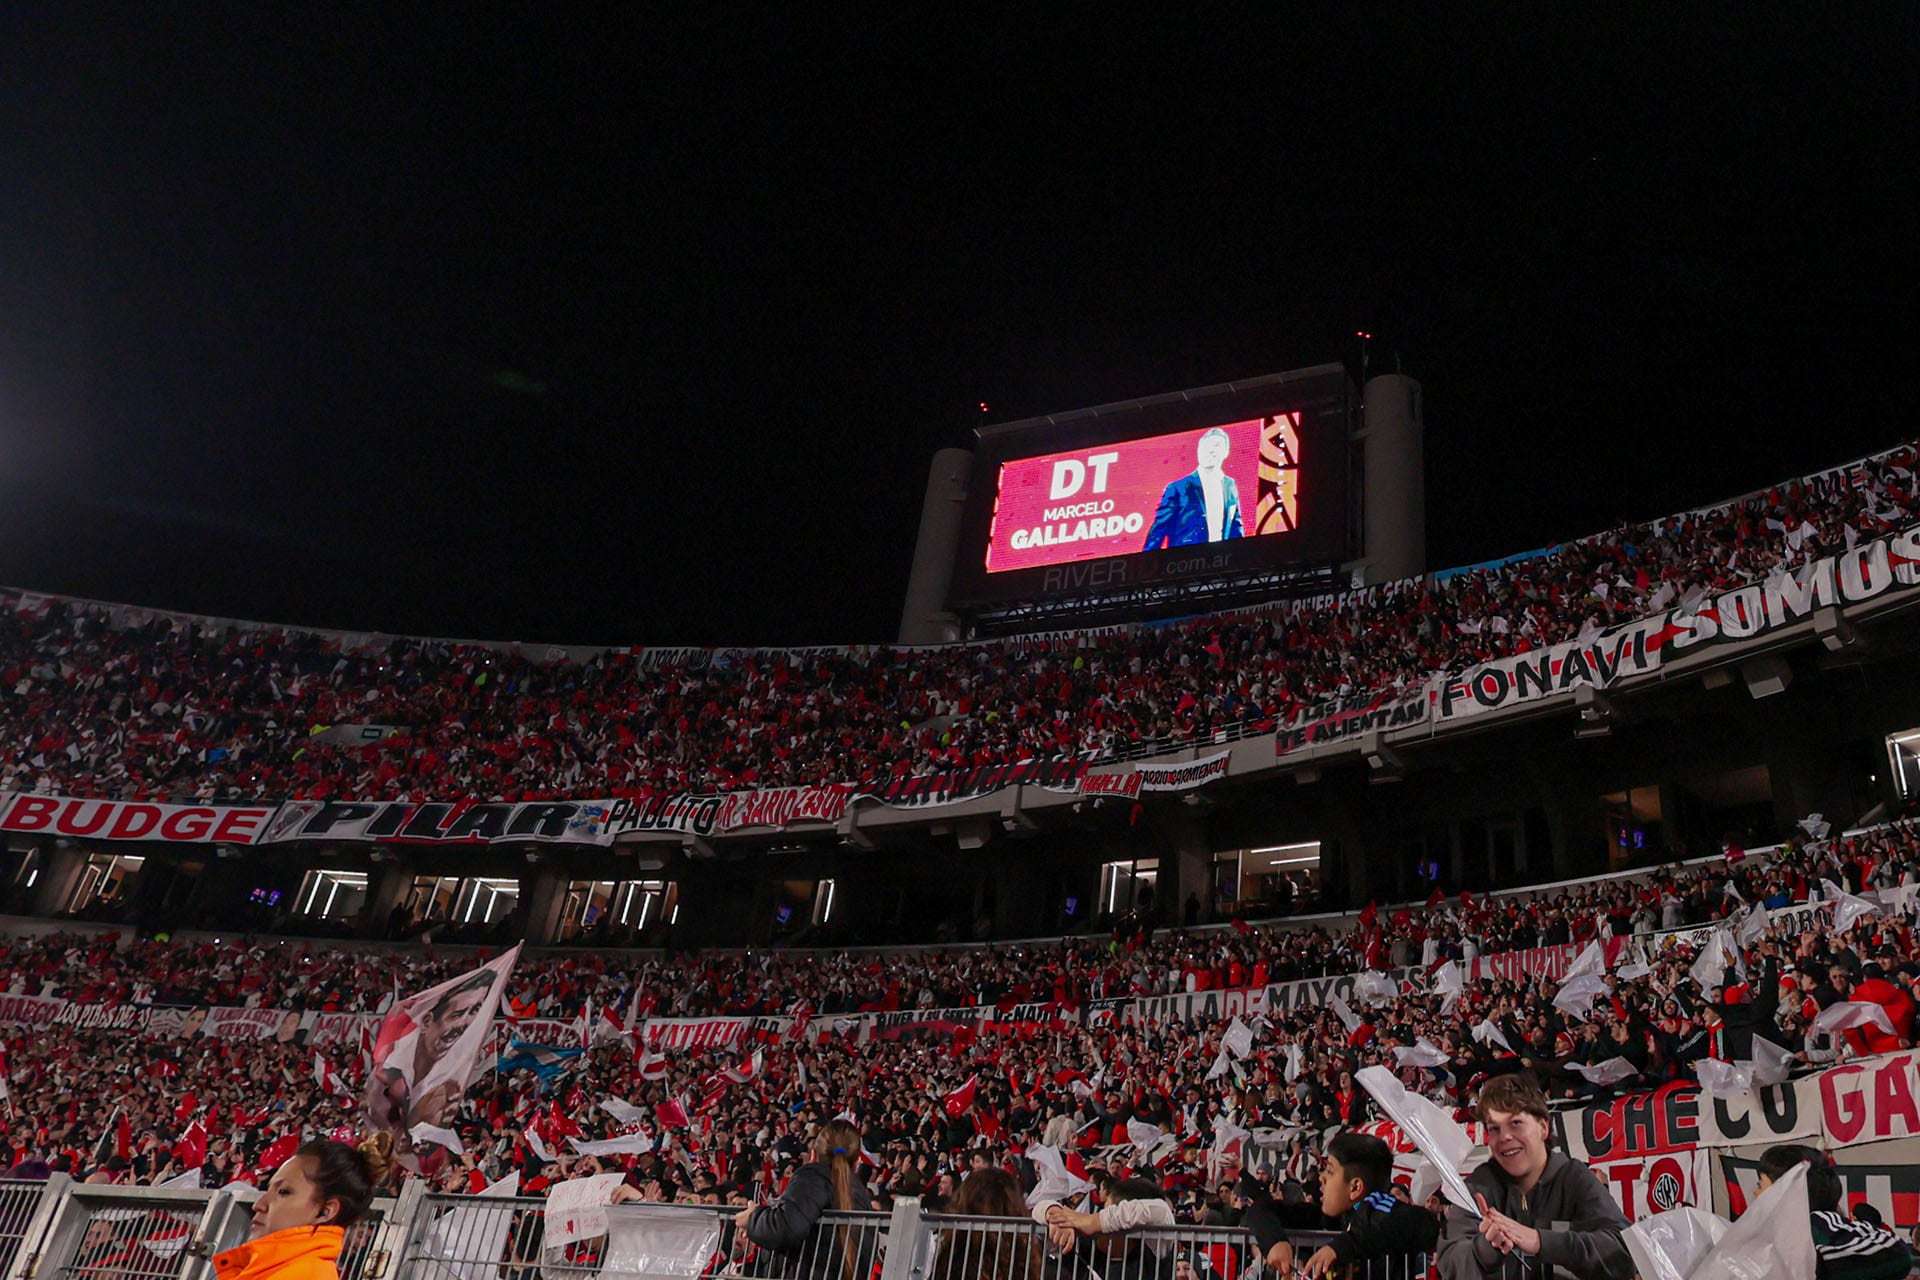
(103, 701)
(932, 1101)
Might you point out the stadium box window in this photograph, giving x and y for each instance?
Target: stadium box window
(104, 881)
(461, 901)
(1903, 753)
(1633, 825)
(1272, 880)
(612, 907)
(332, 895)
(433, 897)
(485, 899)
(1128, 886)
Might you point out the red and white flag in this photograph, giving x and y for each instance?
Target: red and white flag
(653, 1066)
(326, 1077)
(747, 1070)
(960, 1101)
(191, 1150)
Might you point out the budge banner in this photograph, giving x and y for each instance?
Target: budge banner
(134, 819)
(1868, 572)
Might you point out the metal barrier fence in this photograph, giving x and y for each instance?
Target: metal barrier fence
(59, 1230)
(84, 1232)
(456, 1237)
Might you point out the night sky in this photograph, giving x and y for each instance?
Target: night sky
(527, 327)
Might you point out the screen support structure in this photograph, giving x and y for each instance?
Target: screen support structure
(1165, 598)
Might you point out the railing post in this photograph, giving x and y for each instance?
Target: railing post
(906, 1256)
(394, 1243)
(26, 1258)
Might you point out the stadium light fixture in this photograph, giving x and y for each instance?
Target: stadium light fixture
(1596, 715)
(1835, 632)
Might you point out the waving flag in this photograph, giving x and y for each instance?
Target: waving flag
(960, 1101)
(428, 1045)
(548, 1063)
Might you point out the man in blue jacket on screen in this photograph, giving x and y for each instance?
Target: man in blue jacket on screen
(1201, 506)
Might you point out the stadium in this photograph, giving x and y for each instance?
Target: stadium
(1146, 892)
(1385, 747)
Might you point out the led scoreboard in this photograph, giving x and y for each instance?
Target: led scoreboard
(1214, 482)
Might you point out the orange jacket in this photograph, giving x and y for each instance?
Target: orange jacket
(297, 1253)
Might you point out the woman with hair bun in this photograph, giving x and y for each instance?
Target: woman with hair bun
(790, 1224)
(300, 1220)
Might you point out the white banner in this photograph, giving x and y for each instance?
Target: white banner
(1183, 777)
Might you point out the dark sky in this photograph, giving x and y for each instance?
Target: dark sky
(529, 327)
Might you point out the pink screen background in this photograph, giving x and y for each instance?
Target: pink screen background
(1134, 482)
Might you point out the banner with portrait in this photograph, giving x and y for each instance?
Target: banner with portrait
(428, 1045)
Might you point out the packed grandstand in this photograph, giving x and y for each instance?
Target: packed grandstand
(1650, 1005)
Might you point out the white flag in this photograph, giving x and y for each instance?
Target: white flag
(1449, 984)
(1772, 1241)
(1239, 1039)
(1710, 966)
(191, 1178)
(1753, 925)
(1439, 1138)
(1576, 997)
(1612, 1071)
(632, 1144)
(1488, 1034)
(441, 1137)
(538, 1147)
(1056, 1183)
(1143, 1135)
(1723, 1079)
(1342, 1011)
(1420, 1054)
(1851, 909)
(1852, 1013)
(623, 1111)
(1376, 988)
(1220, 1064)
(1296, 1061)
(1591, 963)
(1771, 1063)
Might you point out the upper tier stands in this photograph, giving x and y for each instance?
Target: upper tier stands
(106, 701)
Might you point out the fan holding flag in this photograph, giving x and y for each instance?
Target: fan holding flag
(1523, 1195)
(427, 1048)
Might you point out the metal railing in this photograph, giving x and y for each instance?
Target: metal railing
(458, 1237)
(59, 1230)
(88, 1232)
(963, 1248)
(26, 1207)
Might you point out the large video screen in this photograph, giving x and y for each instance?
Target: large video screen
(1181, 489)
(1215, 482)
